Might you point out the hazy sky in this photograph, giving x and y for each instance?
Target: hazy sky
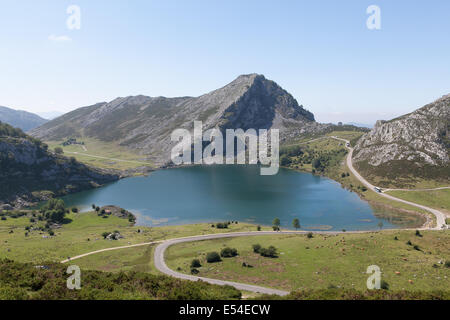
(320, 51)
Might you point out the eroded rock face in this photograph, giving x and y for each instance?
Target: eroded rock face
(144, 124)
(421, 138)
(27, 167)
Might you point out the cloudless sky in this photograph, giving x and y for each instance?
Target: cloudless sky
(320, 51)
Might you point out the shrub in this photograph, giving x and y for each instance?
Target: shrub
(213, 257)
(409, 243)
(51, 232)
(418, 233)
(228, 252)
(74, 209)
(105, 234)
(395, 238)
(309, 235)
(258, 228)
(222, 225)
(195, 263)
(256, 248)
(275, 228)
(384, 285)
(32, 220)
(3, 218)
(270, 252)
(447, 263)
(194, 271)
(416, 247)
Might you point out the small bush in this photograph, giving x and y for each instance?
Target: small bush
(447, 263)
(194, 271)
(258, 228)
(310, 235)
(256, 248)
(196, 263)
(396, 238)
(228, 252)
(74, 209)
(416, 247)
(418, 233)
(3, 218)
(222, 225)
(270, 252)
(409, 243)
(213, 257)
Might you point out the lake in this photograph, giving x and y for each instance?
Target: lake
(224, 193)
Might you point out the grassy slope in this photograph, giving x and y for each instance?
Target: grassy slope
(102, 149)
(438, 199)
(320, 262)
(72, 239)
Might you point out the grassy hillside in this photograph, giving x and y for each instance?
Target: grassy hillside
(438, 199)
(82, 232)
(324, 262)
(101, 154)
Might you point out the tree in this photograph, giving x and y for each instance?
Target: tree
(276, 222)
(59, 150)
(55, 210)
(213, 257)
(228, 252)
(195, 263)
(380, 225)
(296, 224)
(256, 248)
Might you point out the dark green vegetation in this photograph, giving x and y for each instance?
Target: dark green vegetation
(24, 281)
(228, 252)
(352, 294)
(212, 257)
(27, 168)
(316, 157)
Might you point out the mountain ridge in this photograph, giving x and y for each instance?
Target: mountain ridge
(418, 141)
(20, 119)
(144, 123)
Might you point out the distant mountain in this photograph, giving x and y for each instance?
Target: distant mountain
(145, 124)
(50, 115)
(361, 125)
(27, 168)
(20, 119)
(412, 146)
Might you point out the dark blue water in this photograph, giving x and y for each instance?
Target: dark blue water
(222, 193)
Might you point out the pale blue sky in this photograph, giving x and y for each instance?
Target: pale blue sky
(320, 51)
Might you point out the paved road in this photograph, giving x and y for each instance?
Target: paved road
(440, 217)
